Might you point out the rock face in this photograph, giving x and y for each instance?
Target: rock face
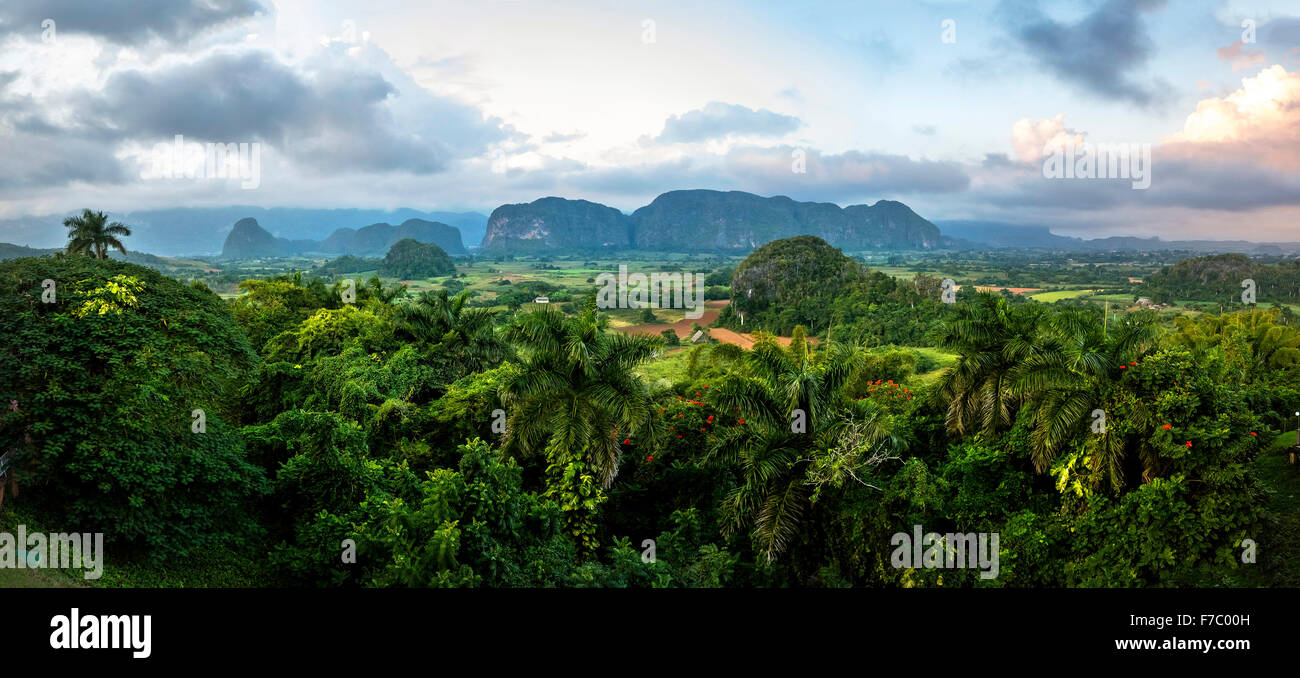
(248, 240)
(556, 224)
(699, 220)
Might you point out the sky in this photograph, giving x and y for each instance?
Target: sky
(950, 106)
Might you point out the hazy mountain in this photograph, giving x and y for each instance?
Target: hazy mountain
(695, 220)
(247, 239)
(997, 234)
(202, 230)
(376, 239)
(978, 234)
(8, 251)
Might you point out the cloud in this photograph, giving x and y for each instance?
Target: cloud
(845, 176)
(1282, 32)
(560, 138)
(332, 115)
(40, 154)
(719, 120)
(1260, 122)
(125, 23)
(1030, 139)
(1098, 53)
(1237, 153)
(1240, 57)
(924, 130)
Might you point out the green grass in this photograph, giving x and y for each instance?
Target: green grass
(667, 369)
(1049, 297)
(1126, 299)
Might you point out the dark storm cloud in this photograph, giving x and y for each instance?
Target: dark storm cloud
(39, 154)
(121, 22)
(718, 120)
(1099, 53)
(224, 96)
(331, 116)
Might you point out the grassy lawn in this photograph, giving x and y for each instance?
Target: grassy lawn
(668, 368)
(1049, 297)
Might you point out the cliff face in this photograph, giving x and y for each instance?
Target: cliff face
(685, 221)
(248, 240)
(556, 224)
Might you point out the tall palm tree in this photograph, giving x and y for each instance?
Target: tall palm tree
(90, 233)
(991, 338)
(1075, 369)
(773, 457)
(575, 386)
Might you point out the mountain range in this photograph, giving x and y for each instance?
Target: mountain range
(201, 231)
(680, 221)
(702, 220)
(980, 234)
(247, 239)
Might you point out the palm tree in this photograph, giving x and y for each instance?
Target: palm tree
(88, 234)
(991, 338)
(443, 322)
(1074, 370)
(774, 457)
(575, 386)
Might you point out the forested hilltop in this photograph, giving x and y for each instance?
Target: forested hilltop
(298, 435)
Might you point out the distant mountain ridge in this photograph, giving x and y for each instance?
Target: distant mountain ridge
(248, 240)
(185, 231)
(703, 220)
(978, 234)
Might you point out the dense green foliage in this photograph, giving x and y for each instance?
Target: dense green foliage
(409, 258)
(107, 381)
(423, 440)
(1219, 278)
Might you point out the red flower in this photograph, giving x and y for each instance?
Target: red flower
(1132, 363)
(698, 393)
(1189, 444)
(1253, 433)
(1123, 366)
(742, 421)
(1166, 427)
(649, 458)
(679, 435)
(627, 440)
(706, 386)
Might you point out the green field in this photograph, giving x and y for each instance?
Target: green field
(1049, 297)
